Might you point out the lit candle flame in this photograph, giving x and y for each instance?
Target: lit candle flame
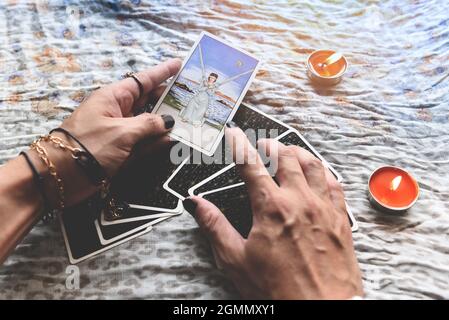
(395, 183)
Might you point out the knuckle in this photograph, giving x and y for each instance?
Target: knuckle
(279, 208)
(313, 164)
(288, 151)
(342, 226)
(291, 226)
(312, 209)
(335, 187)
(151, 121)
(266, 197)
(124, 96)
(289, 173)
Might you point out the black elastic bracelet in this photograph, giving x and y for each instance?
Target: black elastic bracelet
(87, 161)
(38, 179)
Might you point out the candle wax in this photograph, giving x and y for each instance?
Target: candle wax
(393, 187)
(333, 69)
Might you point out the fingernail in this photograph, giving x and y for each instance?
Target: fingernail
(189, 205)
(231, 124)
(169, 121)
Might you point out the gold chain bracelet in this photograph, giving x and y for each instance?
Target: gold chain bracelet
(75, 154)
(63, 145)
(43, 154)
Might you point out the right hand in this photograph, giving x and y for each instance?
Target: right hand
(300, 245)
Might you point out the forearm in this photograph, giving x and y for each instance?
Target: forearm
(20, 204)
(21, 200)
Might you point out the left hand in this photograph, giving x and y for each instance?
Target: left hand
(105, 124)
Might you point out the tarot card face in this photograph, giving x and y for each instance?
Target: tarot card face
(234, 203)
(230, 176)
(207, 92)
(198, 166)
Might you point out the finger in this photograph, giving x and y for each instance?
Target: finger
(250, 166)
(222, 235)
(284, 163)
(127, 91)
(150, 98)
(336, 192)
(313, 172)
(147, 125)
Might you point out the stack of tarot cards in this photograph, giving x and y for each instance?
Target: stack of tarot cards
(202, 97)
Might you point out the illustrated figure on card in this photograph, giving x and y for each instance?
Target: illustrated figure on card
(195, 111)
(207, 92)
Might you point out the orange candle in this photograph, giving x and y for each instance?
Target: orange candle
(393, 189)
(323, 69)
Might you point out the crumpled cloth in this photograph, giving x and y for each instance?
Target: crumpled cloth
(392, 107)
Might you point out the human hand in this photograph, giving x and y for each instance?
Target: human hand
(105, 124)
(300, 245)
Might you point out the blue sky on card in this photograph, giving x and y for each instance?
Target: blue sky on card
(223, 60)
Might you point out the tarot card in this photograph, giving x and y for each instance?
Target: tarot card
(111, 233)
(134, 214)
(207, 92)
(141, 187)
(80, 235)
(198, 166)
(230, 176)
(296, 139)
(235, 204)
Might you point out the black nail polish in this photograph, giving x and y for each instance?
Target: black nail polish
(189, 205)
(169, 121)
(231, 124)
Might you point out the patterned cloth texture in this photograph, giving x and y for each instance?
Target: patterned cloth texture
(391, 108)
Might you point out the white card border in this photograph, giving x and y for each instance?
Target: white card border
(104, 241)
(216, 174)
(165, 185)
(290, 130)
(180, 210)
(72, 260)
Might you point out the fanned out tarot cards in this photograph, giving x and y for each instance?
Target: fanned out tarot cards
(202, 98)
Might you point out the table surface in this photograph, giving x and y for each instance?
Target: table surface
(391, 108)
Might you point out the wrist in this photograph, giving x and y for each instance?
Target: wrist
(20, 203)
(75, 184)
(18, 183)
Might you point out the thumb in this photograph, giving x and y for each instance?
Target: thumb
(227, 242)
(148, 125)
